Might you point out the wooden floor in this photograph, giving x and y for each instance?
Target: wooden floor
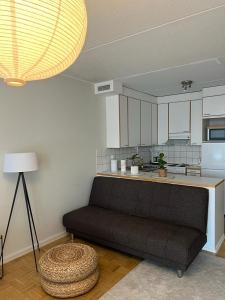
(21, 281)
(221, 252)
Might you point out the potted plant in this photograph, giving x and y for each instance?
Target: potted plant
(137, 160)
(162, 163)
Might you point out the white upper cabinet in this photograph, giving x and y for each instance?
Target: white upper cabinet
(123, 121)
(163, 120)
(129, 122)
(213, 91)
(154, 124)
(179, 119)
(134, 122)
(214, 106)
(116, 121)
(146, 123)
(196, 122)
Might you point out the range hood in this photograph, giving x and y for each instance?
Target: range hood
(172, 142)
(185, 135)
(179, 137)
(182, 138)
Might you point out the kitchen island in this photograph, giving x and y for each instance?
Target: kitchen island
(215, 186)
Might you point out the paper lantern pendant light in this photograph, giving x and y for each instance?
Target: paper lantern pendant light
(39, 38)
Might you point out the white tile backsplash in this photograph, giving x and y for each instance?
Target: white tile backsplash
(179, 153)
(103, 156)
(174, 154)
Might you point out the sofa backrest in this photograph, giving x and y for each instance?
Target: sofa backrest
(177, 204)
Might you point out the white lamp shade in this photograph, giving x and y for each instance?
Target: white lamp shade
(39, 38)
(20, 162)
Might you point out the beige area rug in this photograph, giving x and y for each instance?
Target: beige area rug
(205, 279)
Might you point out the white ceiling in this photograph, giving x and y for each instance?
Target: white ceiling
(151, 45)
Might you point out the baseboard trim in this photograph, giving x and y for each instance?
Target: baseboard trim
(26, 250)
(219, 243)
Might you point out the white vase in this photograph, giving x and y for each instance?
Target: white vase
(123, 165)
(134, 170)
(114, 168)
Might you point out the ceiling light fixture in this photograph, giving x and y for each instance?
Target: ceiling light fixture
(186, 84)
(39, 39)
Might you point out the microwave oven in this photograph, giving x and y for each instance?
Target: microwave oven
(216, 133)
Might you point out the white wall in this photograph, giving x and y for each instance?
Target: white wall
(56, 118)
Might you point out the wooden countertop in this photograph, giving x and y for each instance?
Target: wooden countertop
(178, 179)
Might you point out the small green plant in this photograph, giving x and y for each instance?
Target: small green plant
(161, 161)
(137, 160)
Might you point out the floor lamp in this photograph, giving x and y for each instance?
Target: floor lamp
(21, 163)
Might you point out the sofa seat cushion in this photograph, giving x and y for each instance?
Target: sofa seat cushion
(160, 239)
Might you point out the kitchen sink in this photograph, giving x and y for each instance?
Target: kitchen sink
(172, 167)
(149, 168)
(177, 165)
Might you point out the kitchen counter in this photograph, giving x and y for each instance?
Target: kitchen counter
(195, 181)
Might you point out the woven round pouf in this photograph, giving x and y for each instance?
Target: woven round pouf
(68, 270)
(69, 290)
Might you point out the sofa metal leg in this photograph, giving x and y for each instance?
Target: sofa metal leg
(72, 237)
(180, 273)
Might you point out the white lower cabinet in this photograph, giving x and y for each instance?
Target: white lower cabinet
(163, 123)
(134, 122)
(196, 122)
(146, 123)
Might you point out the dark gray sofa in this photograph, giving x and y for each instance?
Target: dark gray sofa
(163, 222)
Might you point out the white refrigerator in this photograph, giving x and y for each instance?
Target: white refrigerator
(213, 161)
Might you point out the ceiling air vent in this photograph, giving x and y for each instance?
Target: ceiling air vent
(108, 87)
(103, 88)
